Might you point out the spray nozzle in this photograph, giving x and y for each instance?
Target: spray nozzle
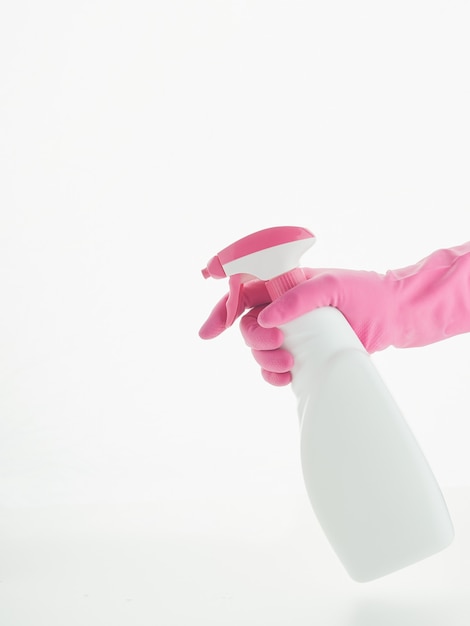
(272, 255)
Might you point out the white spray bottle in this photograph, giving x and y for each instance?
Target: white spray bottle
(369, 483)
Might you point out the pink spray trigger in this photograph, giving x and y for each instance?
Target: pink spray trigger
(235, 284)
(269, 255)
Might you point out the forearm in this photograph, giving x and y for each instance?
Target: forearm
(432, 297)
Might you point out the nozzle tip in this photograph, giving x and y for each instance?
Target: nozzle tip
(214, 269)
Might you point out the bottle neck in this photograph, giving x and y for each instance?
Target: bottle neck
(280, 284)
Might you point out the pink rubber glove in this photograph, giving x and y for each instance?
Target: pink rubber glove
(408, 307)
(265, 342)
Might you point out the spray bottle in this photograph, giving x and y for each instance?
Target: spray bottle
(368, 482)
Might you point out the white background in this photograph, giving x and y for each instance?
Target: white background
(147, 476)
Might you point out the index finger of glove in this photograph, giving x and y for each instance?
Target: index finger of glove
(215, 324)
(253, 293)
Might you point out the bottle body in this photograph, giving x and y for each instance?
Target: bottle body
(369, 483)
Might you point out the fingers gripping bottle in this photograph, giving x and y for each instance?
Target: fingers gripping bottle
(369, 483)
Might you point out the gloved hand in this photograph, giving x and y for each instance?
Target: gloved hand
(265, 342)
(409, 307)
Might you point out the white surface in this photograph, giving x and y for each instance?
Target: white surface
(241, 562)
(136, 140)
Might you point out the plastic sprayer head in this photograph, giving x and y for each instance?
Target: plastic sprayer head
(263, 254)
(266, 255)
